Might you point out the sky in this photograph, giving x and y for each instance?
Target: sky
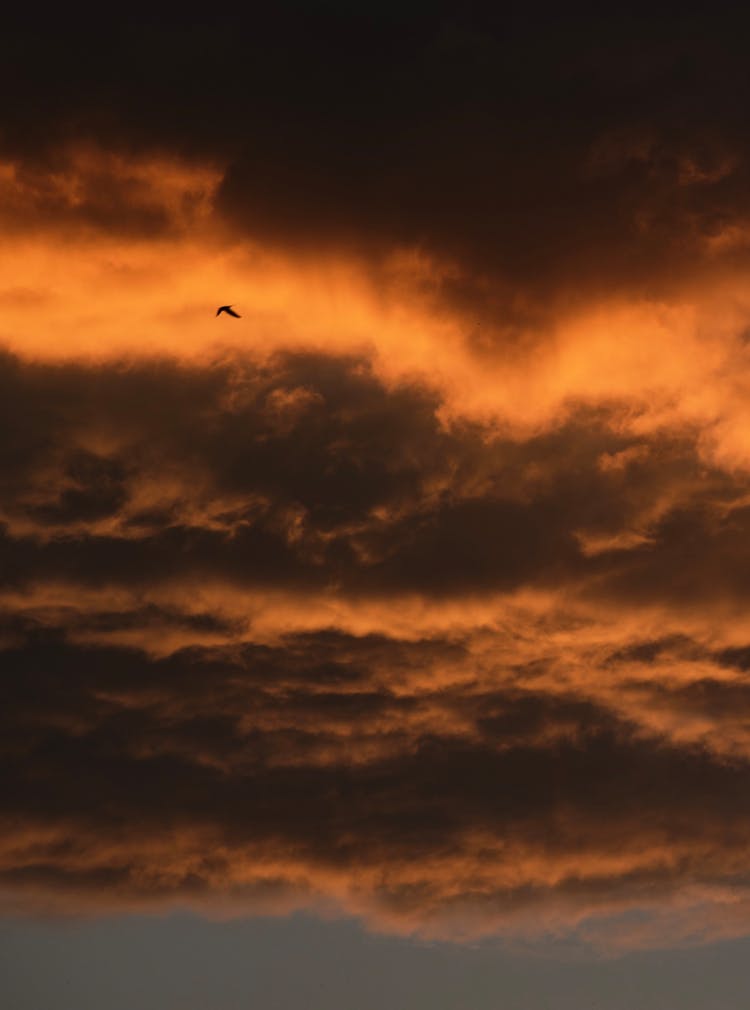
(399, 627)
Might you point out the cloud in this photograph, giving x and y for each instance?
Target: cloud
(278, 635)
(420, 591)
(309, 470)
(551, 159)
(89, 189)
(298, 774)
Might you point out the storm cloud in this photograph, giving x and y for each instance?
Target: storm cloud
(419, 591)
(276, 635)
(578, 150)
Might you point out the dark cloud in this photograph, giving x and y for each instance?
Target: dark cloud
(161, 744)
(309, 471)
(546, 153)
(276, 629)
(117, 767)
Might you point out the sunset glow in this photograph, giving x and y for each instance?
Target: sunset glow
(417, 594)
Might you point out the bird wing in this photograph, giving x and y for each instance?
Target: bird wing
(230, 311)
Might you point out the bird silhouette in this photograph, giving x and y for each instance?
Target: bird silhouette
(229, 311)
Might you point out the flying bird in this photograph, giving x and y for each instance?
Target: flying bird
(229, 311)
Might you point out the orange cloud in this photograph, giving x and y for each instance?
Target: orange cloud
(429, 616)
(76, 283)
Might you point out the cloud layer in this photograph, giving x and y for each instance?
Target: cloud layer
(420, 591)
(276, 634)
